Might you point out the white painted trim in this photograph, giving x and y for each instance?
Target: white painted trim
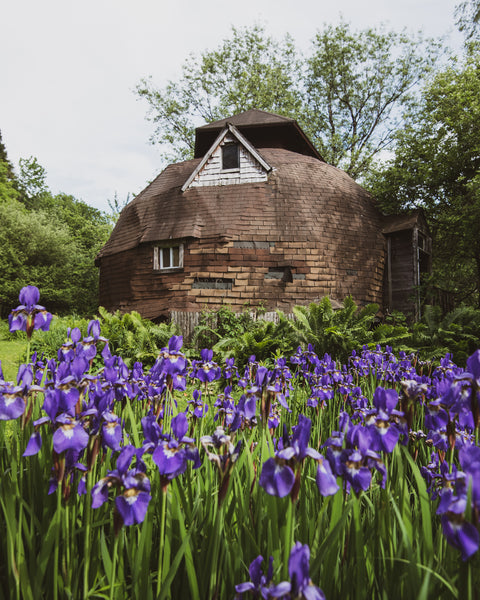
(244, 142)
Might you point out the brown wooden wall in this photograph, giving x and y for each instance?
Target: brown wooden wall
(244, 273)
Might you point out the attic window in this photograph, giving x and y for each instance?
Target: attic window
(230, 157)
(167, 257)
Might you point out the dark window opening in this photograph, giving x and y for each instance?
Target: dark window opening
(281, 273)
(230, 157)
(212, 283)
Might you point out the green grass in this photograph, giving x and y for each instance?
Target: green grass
(10, 353)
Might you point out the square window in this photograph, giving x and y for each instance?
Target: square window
(167, 257)
(230, 157)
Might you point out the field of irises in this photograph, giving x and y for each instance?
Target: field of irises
(308, 479)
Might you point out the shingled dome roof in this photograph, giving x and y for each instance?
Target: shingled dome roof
(304, 198)
(255, 218)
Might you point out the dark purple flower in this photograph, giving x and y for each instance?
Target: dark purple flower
(132, 485)
(34, 444)
(112, 431)
(259, 585)
(70, 435)
(12, 402)
(172, 453)
(299, 572)
(29, 315)
(170, 360)
(277, 478)
(326, 480)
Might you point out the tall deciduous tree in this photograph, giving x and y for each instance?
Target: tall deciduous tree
(249, 70)
(48, 241)
(468, 18)
(358, 84)
(437, 167)
(347, 95)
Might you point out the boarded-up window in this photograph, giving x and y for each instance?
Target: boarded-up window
(168, 257)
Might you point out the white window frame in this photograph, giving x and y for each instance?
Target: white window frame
(158, 258)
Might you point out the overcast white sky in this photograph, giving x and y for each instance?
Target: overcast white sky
(69, 70)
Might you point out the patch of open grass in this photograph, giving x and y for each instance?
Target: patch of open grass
(10, 356)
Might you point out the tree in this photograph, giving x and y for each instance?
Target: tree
(468, 18)
(358, 84)
(48, 241)
(250, 70)
(437, 167)
(347, 95)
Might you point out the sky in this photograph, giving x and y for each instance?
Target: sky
(69, 72)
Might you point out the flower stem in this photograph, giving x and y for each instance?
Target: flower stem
(163, 512)
(86, 544)
(114, 566)
(57, 543)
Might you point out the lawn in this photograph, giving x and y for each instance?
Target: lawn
(10, 352)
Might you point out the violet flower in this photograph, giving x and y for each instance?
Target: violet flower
(132, 485)
(280, 474)
(29, 315)
(174, 451)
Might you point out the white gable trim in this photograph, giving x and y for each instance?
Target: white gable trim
(244, 142)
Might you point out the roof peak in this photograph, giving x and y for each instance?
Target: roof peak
(262, 129)
(251, 117)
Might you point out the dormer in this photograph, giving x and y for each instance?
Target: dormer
(262, 129)
(230, 160)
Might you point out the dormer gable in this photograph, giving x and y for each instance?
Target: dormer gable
(230, 160)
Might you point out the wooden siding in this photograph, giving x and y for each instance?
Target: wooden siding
(348, 265)
(401, 275)
(250, 170)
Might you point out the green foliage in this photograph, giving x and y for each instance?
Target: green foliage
(347, 94)
(128, 335)
(357, 85)
(47, 343)
(133, 338)
(48, 241)
(467, 14)
(436, 167)
(338, 332)
(264, 339)
(218, 324)
(457, 333)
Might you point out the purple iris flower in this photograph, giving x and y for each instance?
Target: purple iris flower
(300, 586)
(112, 431)
(259, 585)
(200, 408)
(226, 407)
(382, 421)
(281, 472)
(326, 480)
(170, 360)
(12, 401)
(459, 533)
(299, 572)
(29, 315)
(171, 454)
(225, 458)
(70, 435)
(277, 478)
(132, 485)
(205, 369)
